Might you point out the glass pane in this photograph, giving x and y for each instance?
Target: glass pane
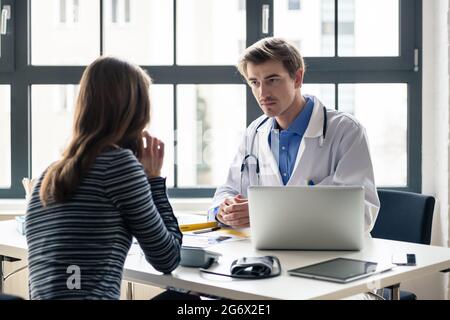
(309, 25)
(65, 32)
(324, 92)
(211, 122)
(52, 109)
(385, 121)
(5, 136)
(162, 126)
(52, 116)
(139, 31)
(360, 30)
(210, 32)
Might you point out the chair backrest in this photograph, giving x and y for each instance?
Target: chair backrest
(404, 216)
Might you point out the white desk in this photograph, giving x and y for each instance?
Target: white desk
(430, 259)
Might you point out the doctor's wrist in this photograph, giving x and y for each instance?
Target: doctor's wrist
(220, 222)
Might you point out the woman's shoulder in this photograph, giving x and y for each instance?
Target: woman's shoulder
(117, 156)
(119, 165)
(116, 152)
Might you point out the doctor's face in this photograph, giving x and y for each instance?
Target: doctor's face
(273, 87)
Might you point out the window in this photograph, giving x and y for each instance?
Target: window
(69, 11)
(305, 26)
(7, 36)
(293, 4)
(241, 46)
(207, 142)
(372, 69)
(190, 48)
(297, 44)
(5, 136)
(360, 30)
(120, 11)
(62, 11)
(385, 121)
(75, 42)
(325, 91)
(241, 5)
(205, 35)
(134, 38)
(162, 126)
(51, 119)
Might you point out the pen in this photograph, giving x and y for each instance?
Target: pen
(207, 230)
(197, 226)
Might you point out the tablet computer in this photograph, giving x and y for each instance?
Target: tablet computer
(337, 270)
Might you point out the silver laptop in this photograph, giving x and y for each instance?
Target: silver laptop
(307, 218)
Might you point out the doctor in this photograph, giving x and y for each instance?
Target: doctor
(296, 142)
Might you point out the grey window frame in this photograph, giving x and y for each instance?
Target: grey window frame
(17, 72)
(7, 41)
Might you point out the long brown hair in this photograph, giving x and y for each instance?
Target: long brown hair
(112, 109)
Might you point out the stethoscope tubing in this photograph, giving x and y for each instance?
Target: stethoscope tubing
(251, 155)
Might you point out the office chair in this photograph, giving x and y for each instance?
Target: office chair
(404, 216)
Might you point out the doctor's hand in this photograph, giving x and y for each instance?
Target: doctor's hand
(234, 212)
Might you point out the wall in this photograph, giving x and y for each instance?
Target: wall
(435, 136)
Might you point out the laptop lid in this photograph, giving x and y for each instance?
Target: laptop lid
(307, 218)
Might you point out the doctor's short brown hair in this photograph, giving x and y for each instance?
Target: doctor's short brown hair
(271, 48)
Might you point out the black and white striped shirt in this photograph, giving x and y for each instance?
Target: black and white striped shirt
(92, 232)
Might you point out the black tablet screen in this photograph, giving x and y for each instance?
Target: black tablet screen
(339, 268)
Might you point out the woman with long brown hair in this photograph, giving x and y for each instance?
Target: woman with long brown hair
(106, 188)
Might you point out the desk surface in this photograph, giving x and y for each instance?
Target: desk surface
(430, 259)
(12, 243)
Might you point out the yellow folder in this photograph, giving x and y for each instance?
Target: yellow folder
(197, 226)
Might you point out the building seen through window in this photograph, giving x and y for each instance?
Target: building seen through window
(120, 11)
(293, 4)
(69, 11)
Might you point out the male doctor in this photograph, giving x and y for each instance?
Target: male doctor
(296, 142)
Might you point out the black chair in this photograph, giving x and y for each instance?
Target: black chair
(404, 216)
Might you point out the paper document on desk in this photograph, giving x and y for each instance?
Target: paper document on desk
(211, 238)
(186, 218)
(190, 239)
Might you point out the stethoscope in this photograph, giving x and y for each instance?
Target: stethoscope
(251, 155)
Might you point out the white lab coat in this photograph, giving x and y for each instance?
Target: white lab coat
(343, 159)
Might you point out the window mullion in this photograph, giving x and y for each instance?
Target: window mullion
(336, 28)
(101, 26)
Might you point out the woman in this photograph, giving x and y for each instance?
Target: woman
(106, 188)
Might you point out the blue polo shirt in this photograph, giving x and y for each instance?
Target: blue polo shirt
(285, 143)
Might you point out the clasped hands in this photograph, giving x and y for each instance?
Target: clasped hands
(234, 212)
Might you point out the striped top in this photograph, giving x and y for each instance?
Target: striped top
(77, 249)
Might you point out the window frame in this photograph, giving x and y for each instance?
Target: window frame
(7, 40)
(331, 70)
